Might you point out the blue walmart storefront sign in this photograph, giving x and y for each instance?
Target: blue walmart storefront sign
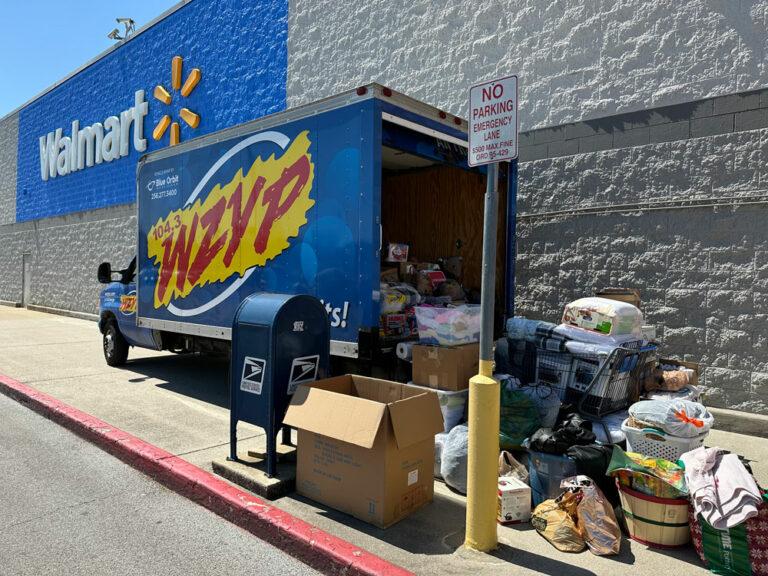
(207, 66)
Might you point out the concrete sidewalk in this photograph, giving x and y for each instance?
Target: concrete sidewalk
(179, 404)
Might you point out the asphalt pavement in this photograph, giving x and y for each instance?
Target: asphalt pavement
(67, 507)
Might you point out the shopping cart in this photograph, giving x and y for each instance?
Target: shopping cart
(597, 385)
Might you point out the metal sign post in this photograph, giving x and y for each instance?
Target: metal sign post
(492, 139)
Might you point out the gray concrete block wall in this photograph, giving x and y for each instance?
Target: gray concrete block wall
(65, 252)
(702, 270)
(576, 60)
(709, 117)
(9, 138)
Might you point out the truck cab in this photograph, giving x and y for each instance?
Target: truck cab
(117, 314)
(120, 330)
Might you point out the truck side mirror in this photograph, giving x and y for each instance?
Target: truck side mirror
(104, 273)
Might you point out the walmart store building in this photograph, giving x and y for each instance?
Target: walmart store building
(644, 145)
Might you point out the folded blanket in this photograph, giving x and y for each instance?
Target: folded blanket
(721, 488)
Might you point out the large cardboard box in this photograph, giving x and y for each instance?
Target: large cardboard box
(629, 295)
(445, 367)
(365, 446)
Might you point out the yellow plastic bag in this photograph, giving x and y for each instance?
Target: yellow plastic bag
(553, 521)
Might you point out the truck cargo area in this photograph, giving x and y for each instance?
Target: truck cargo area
(437, 209)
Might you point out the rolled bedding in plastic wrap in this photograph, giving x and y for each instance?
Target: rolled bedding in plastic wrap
(519, 328)
(561, 337)
(679, 418)
(589, 350)
(538, 332)
(588, 336)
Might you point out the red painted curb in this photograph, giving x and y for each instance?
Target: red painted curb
(311, 545)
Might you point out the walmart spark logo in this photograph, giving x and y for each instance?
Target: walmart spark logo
(190, 118)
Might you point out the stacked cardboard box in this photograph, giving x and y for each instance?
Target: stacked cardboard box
(445, 367)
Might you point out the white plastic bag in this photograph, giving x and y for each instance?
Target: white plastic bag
(679, 418)
(439, 443)
(453, 466)
(590, 337)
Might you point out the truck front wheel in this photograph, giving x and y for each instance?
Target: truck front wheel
(115, 346)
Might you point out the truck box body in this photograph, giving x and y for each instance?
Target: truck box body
(288, 203)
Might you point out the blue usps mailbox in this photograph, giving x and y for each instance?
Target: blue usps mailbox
(278, 342)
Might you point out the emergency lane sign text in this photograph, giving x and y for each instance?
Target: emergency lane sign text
(493, 121)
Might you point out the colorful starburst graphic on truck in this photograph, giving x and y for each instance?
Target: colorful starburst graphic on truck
(160, 93)
(239, 225)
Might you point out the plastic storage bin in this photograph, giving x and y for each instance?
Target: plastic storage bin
(545, 473)
(448, 326)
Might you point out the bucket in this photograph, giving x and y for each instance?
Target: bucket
(655, 522)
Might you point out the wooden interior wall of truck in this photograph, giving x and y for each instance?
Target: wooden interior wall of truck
(432, 208)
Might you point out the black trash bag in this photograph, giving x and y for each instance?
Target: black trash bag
(592, 460)
(572, 419)
(571, 430)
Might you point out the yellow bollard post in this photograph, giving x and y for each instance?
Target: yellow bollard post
(483, 448)
(482, 460)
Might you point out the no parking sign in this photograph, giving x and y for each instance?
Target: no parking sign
(493, 121)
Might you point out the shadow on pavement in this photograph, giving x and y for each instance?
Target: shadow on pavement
(684, 554)
(427, 531)
(537, 562)
(201, 377)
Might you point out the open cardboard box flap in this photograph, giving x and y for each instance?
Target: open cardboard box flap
(416, 418)
(335, 414)
(351, 408)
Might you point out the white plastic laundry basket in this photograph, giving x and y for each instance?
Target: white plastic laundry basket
(658, 444)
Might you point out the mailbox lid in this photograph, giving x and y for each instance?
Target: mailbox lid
(263, 308)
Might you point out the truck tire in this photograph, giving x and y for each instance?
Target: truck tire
(115, 346)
